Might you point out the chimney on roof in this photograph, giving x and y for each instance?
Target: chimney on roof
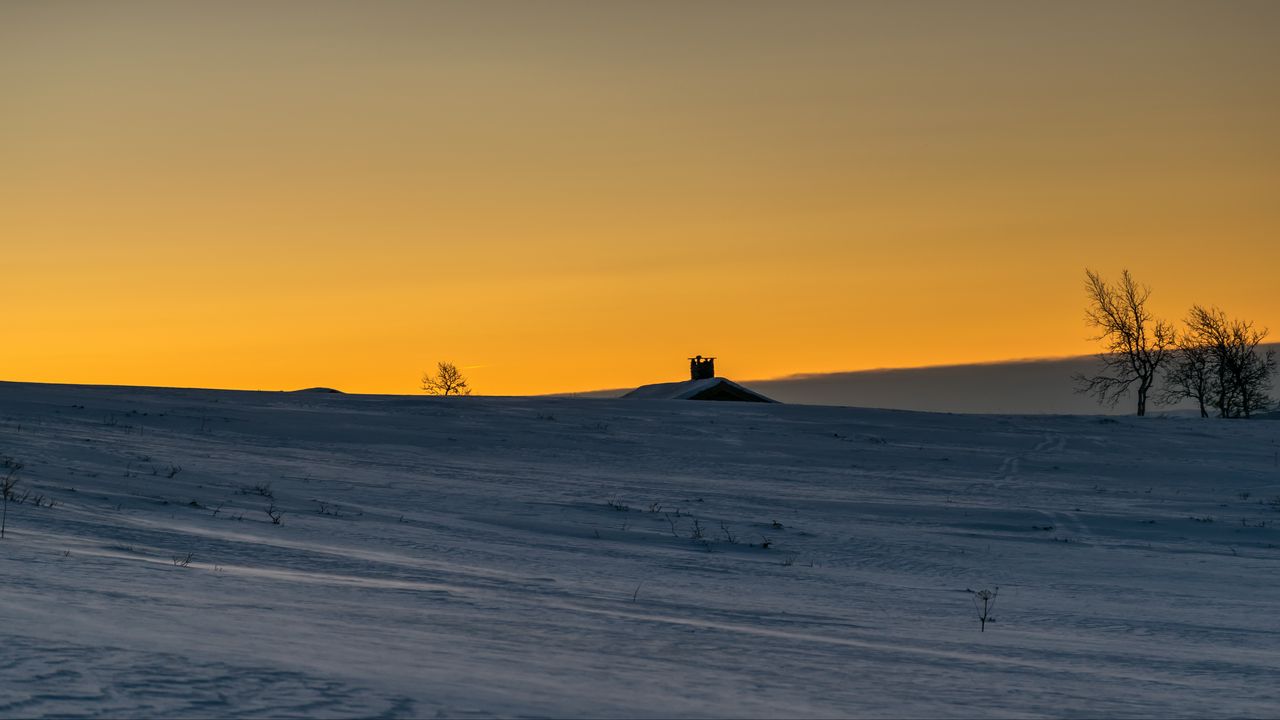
(701, 368)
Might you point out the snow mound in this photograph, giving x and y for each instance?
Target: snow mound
(716, 388)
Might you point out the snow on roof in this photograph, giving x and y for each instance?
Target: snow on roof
(691, 389)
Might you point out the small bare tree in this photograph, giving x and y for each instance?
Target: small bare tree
(7, 486)
(1255, 380)
(1137, 344)
(1190, 375)
(447, 380)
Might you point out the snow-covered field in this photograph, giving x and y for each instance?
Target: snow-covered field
(533, 557)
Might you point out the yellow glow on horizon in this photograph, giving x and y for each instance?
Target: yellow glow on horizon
(571, 196)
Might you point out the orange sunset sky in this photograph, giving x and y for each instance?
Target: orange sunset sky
(567, 196)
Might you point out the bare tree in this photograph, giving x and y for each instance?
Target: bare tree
(1239, 374)
(1254, 380)
(1137, 344)
(1190, 375)
(447, 380)
(1208, 327)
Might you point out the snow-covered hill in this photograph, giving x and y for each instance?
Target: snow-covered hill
(500, 556)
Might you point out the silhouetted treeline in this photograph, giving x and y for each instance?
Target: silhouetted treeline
(1214, 360)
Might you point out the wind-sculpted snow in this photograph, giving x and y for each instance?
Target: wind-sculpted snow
(101, 681)
(513, 557)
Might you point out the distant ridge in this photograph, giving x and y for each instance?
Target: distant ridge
(1016, 387)
(1013, 387)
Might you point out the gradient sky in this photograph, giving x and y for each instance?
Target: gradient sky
(567, 196)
